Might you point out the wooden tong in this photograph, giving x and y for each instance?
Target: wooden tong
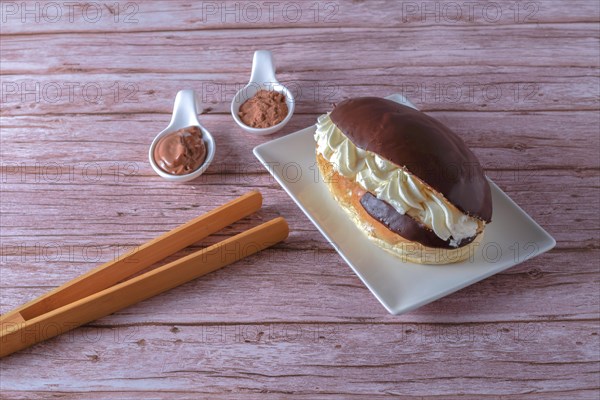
(109, 288)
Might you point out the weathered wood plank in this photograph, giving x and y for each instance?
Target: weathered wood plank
(152, 205)
(109, 17)
(316, 285)
(273, 394)
(458, 88)
(502, 141)
(315, 50)
(546, 358)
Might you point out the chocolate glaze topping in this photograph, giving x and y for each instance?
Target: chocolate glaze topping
(423, 145)
(403, 224)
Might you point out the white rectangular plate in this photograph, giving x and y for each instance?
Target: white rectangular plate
(510, 239)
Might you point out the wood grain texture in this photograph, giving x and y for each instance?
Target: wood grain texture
(81, 100)
(319, 50)
(215, 15)
(434, 88)
(333, 358)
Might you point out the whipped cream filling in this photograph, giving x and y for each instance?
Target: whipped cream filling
(392, 184)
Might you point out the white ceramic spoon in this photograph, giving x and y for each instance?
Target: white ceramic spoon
(262, 77)
(185, 113)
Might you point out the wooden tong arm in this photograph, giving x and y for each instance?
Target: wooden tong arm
(110, 273)
(17, 336)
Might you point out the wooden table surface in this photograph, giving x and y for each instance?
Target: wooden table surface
(85, 88)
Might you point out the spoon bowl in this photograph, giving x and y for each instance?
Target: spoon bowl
(185, 113)
(262, 78)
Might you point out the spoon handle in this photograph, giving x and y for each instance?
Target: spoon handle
(185, 112)
(263, 68)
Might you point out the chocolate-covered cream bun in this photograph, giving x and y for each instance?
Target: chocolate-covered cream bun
(407, 163)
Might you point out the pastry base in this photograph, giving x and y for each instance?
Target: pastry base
(348, 193)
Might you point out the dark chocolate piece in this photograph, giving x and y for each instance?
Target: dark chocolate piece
(423, 145)
(405, 225)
